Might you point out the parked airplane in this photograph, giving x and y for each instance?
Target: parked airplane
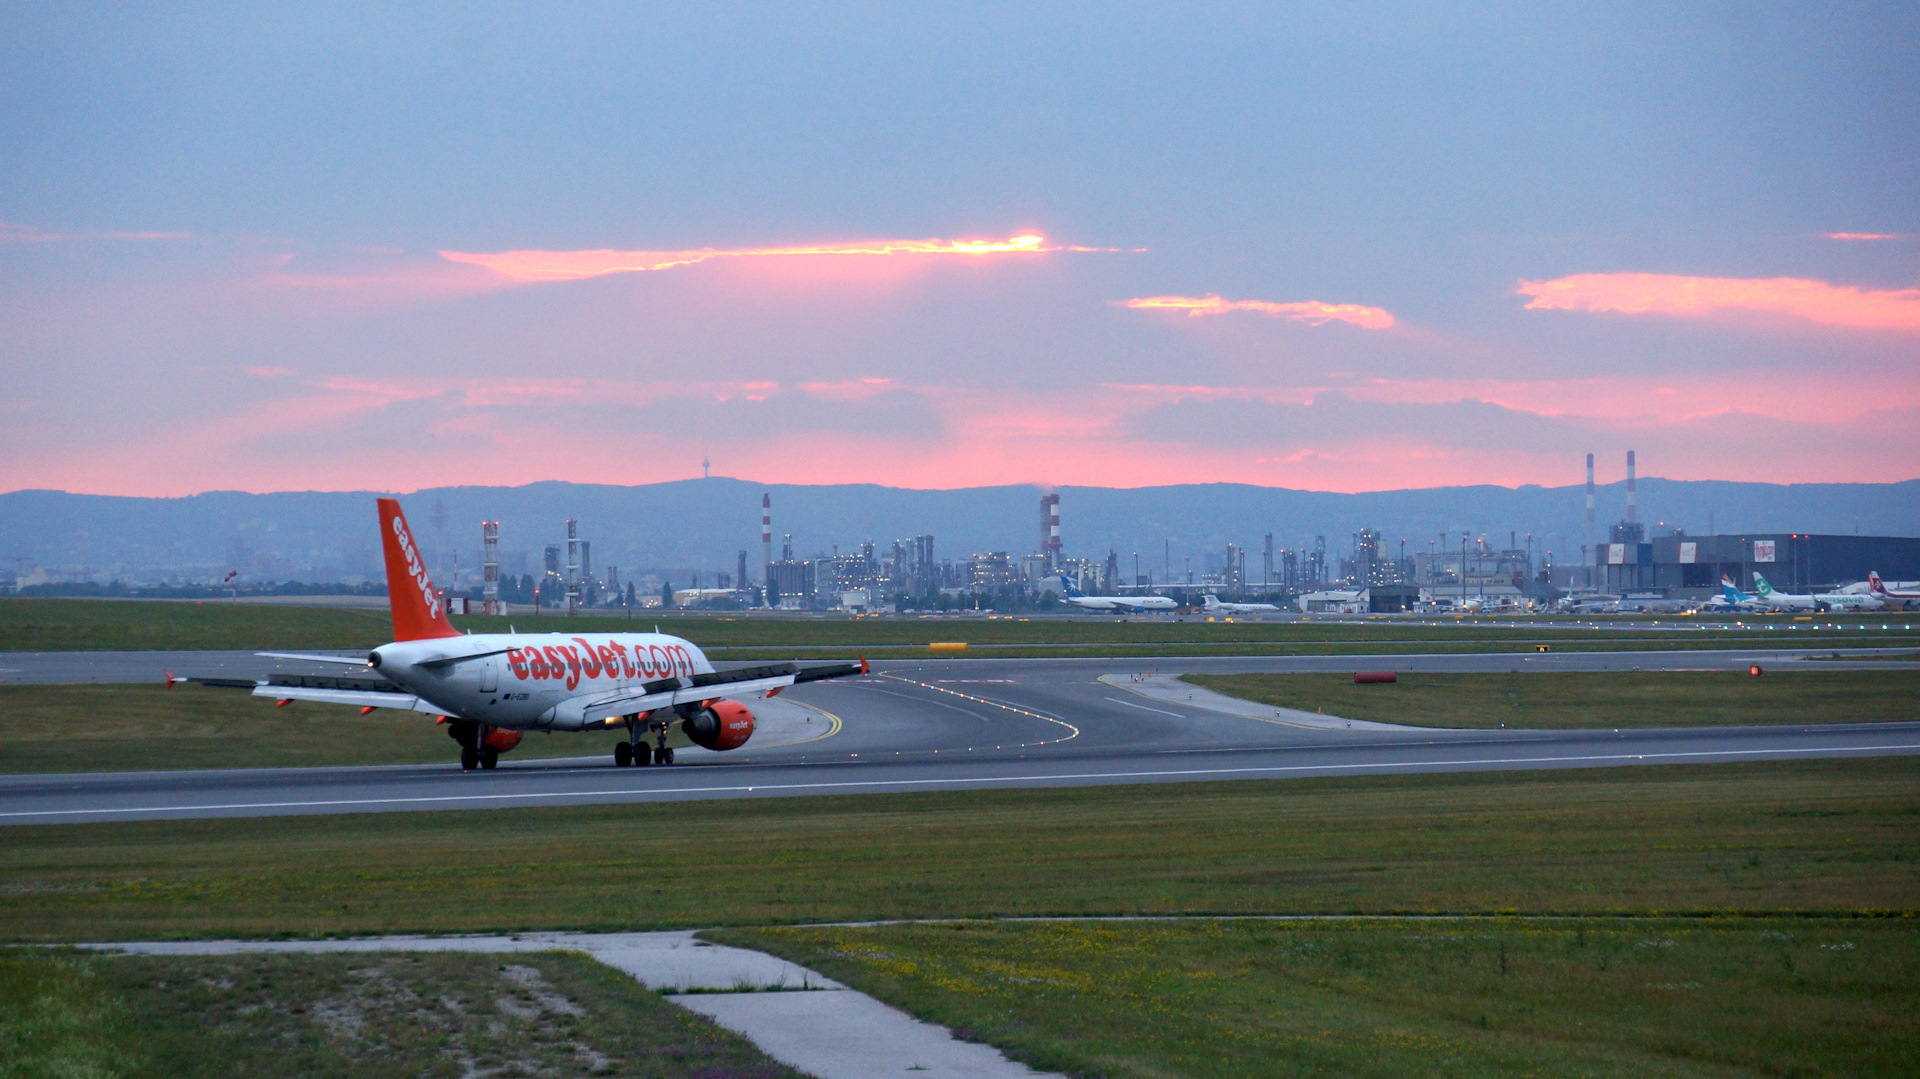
(1825, 601)
(1118, 603)
(1849, 601)
(491, 688)
(1738, 600)
(1894, 594)
(1214, 606)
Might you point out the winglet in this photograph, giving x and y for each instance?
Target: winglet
(863, 665)
(417, 611)
(171, 677)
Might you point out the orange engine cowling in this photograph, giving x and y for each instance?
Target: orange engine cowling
(720, 725)
(501, 740)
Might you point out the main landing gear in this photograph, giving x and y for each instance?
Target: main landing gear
(474, 752)
(635, 749)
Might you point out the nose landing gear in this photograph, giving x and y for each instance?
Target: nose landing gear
(635, 751)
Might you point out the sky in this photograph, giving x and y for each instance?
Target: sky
(343, 247)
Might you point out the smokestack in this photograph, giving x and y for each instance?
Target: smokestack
(766, 534)
(1586, 549)
(1050, 529)
(1633, 499)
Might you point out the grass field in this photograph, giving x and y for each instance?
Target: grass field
(1597, 699)
(30, 625)
(416, 1014)
(113, 728)
(1605, 997)
(1830, 836)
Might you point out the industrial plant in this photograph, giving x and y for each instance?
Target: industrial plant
(1361, 572)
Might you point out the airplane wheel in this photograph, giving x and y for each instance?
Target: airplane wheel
(663, 755)
(489, 758)
(469, 758)
(622, 755)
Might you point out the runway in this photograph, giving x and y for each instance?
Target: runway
(43, 668)
(945, 725)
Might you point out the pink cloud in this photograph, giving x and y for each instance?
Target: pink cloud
(1864, 235)
(572, 265)
(1668, 294)
(1312, 312)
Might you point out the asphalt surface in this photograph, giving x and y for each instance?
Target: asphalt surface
(965, 725)
(29, 668)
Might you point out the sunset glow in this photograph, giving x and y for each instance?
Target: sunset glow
(1667, 294)
(1312, 312)
(570, 265)
(1864, 236)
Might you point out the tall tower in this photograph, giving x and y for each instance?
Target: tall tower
(573, 564)
(1586, 550)
(490, 567)
(1050, 530)
(766, 535)
(1633, 492)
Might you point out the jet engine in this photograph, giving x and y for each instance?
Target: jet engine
(720, 725)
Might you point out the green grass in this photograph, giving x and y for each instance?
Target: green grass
(91, 625)
(1563, 699)
(1608, 997)
(61, 1016)
(114, 728)
(60, 625)
(420, 1014)
(1826, 836)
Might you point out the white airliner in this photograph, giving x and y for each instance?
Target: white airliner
(1118, 603)
(1824, 601)
(1850, 601)
(1894, 594)
(491, 688)
(1214, 606)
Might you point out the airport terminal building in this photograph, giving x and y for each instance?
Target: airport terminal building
(1684, 565)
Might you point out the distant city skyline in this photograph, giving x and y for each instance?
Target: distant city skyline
(1122, 246)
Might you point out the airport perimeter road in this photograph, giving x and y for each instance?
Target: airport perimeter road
(969, 725)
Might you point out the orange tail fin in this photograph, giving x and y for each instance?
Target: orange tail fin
(417, 611)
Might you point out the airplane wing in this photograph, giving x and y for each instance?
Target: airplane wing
(359, 692)
(668, 692)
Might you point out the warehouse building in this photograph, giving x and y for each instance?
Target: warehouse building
(1683, 565)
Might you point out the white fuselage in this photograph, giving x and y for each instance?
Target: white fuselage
(1123, 603)
(1239, 608)
(1850, 601)
(529, 675)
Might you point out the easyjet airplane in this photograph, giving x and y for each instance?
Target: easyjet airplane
(489, 689)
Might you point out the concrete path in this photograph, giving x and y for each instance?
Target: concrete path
(1169, 689)
(794, 1015)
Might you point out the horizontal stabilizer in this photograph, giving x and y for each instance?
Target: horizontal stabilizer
(359, 698)
(311, 657)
